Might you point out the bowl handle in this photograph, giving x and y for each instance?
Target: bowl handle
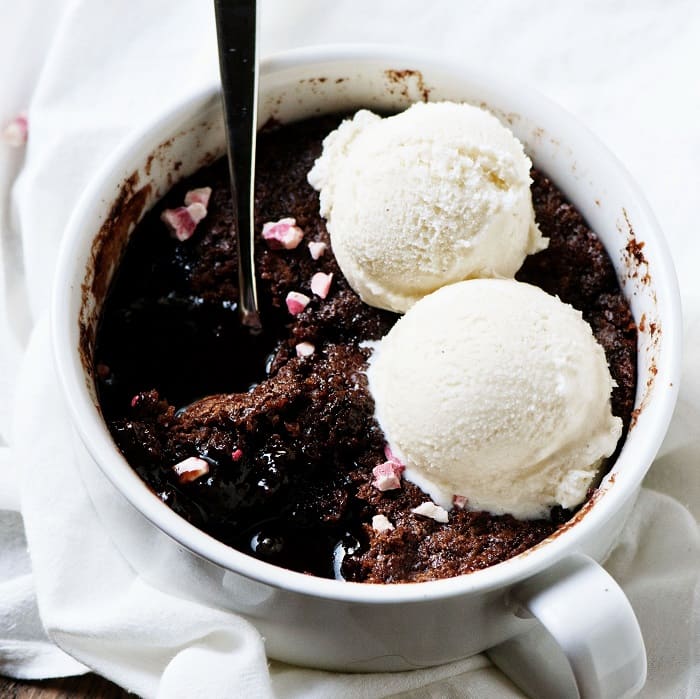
(588, 643)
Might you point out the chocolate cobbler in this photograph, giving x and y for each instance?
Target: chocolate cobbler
(269, 442)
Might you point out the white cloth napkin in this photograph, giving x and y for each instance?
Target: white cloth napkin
(91, 73)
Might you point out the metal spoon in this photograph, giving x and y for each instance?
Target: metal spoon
(236, 27)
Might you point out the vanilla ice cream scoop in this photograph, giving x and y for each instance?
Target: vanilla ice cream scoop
(494, 390)
(433, 195)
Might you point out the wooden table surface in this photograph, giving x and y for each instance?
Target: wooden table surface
(85, 687)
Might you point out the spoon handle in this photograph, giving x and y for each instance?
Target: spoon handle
(236, 25)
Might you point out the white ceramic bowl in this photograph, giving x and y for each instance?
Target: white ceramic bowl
(350, 626)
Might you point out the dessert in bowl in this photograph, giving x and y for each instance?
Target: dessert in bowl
(374, 626)
(270, 442)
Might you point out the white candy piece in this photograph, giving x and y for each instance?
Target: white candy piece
(182, 221)
(432, 511)
(387, 476)
(282, 234)
(296, 302)
(321, 284)
(200, 195)
(380, 523)
(305, 349)
(317, 250)
(191, 469)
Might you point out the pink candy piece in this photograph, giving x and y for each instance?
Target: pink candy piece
(183, 220)
(317, 250)
(191, 469)
(432, 511)
(305, 349)
(459, 501)
(16, 131)
(135, 400)
(390, 456)
(282, 234)
(237, 454)
(387, 476)
(321, 284)
(296, 302)
(198, 196)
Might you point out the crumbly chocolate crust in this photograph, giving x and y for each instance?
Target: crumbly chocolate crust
(291, 441)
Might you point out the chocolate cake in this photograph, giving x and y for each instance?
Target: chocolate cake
(278, 428)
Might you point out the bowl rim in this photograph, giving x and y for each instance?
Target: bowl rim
(94, 435)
